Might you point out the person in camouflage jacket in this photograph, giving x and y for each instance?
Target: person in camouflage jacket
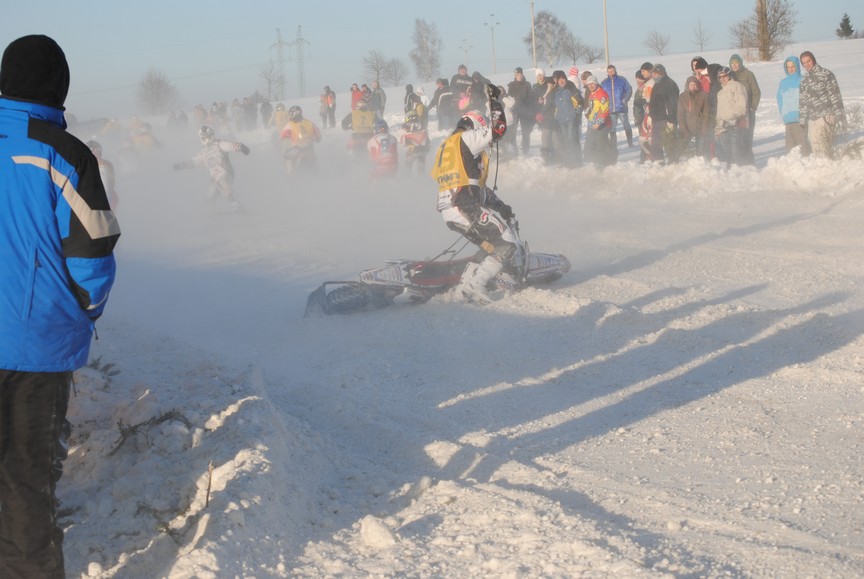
(821, 104)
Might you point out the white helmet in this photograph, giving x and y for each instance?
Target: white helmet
(472, 120)
(206, 134)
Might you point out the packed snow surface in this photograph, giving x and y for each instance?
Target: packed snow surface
(687, 402)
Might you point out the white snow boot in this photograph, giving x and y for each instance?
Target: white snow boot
(475, 277)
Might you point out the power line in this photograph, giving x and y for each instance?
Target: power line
(301, 65)
(280, 64)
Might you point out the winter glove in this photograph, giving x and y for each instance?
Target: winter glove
(538, 117)
(506, 212)
(244, 149)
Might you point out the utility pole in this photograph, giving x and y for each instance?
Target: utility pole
(492, 24)
(533, 39)
(465, 46)
(280, 64)
(605, 34)
(301, 63)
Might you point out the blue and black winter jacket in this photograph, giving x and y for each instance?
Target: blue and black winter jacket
(788, 93)
(57, 236)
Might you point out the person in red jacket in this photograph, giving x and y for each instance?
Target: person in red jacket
(356, 96)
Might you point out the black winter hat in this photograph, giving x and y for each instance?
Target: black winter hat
(699, 63)
(646, 66)
(34, 69)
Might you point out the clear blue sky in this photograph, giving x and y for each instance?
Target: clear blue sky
(215, 51)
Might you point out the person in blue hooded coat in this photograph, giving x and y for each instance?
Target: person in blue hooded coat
(57, 237)
(788, 103)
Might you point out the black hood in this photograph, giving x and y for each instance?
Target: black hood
(34, 69)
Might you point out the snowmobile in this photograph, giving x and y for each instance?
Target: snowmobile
(300, 160)
(413, 281)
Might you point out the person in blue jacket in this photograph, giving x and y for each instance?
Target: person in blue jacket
(788, 103)
(57, 237)
(620, 92)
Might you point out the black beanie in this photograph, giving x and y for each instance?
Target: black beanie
(34, 69)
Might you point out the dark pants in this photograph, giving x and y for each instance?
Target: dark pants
(732, 146)
(748, 156)
(527, 122)
(33, 443)
(576, 135)
(663, 139)
(598, 147)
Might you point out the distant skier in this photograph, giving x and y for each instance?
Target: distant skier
(214, 156)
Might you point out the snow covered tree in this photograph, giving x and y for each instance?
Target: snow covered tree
(766, 32)
(426, 54)
(551, 37)
(657, 42)
(155, 94)
(845, 29)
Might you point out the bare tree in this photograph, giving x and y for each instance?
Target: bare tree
(656, 42)
(426, 54)
(375, 64)
(573, 48)
(395, 72)
(272, 81)
(766, 32)
(593, 53)
(156, 94)
(551, 37)
(700, 35)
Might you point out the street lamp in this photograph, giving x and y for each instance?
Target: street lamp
(492, 24)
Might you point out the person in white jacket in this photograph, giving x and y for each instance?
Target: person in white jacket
(214, 157)
(732, 119)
